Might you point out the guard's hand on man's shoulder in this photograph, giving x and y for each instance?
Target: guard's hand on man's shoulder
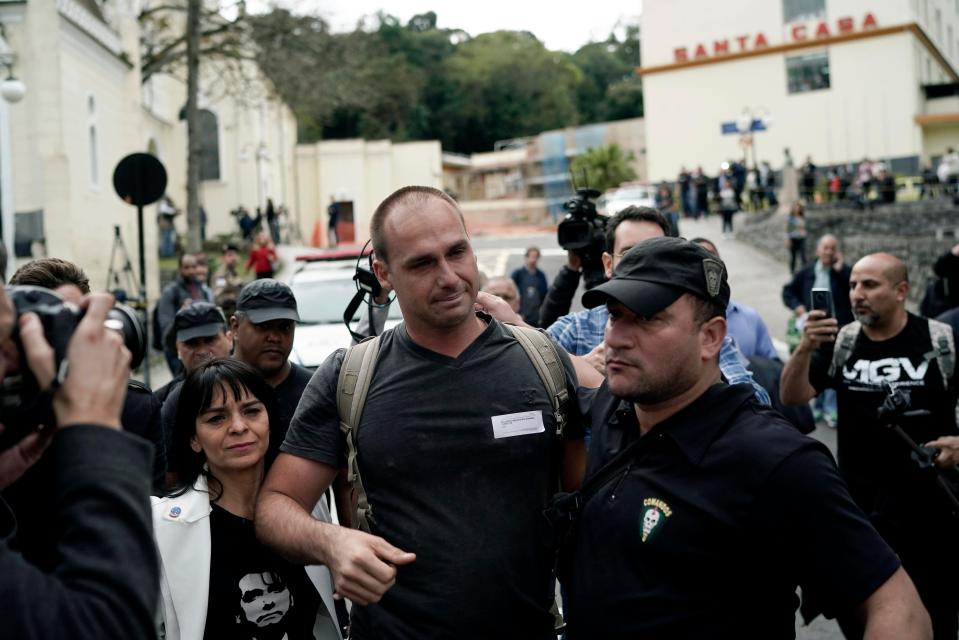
(498, 308)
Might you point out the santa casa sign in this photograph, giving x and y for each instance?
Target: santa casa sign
(798, 32)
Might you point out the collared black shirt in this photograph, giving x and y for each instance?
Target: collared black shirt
(723, 511)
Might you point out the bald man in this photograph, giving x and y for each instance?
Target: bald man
(504, 288)
(886, 343)
(829, 271)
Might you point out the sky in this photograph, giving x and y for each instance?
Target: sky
(560, 25)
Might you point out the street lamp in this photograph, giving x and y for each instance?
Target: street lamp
(12, 91)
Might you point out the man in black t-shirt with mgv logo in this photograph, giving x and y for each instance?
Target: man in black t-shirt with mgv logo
(889, 345)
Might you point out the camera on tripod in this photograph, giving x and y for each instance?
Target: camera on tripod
(583, 231)
(22, 405)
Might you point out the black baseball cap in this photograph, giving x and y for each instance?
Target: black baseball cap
(267, 299)
(199, 320)
(656, 272)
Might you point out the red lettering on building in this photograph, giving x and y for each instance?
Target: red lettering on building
(797, 32)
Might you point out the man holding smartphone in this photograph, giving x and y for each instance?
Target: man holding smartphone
(887, 344)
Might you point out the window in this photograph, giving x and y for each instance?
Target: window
(807, 72)
(209, 146)
(803, 10)
(93, 153)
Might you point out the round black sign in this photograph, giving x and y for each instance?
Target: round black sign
(139, 179)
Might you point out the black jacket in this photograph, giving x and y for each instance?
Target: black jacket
(798, 291)
(559, 297)
(106, 578)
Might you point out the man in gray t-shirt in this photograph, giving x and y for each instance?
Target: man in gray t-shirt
(457, 492)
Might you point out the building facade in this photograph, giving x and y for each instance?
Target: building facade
(86, 108)
(834, 80)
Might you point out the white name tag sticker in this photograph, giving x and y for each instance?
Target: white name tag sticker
(518, 424)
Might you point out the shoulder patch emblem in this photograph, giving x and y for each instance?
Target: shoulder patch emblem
(654, 514)
(713, 270)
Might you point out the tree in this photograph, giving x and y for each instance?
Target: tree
(604, 167)
(505, 84)
(610, 89)
(175, 35)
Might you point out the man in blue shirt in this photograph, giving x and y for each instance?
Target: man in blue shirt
(531, 282)
(581, 333)
(743, 323)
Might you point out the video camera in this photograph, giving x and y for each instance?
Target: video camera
(23, 407)
(583, 231)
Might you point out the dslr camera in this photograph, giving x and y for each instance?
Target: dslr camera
(23, 407)
(583, 231)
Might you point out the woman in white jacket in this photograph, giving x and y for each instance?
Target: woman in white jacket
(217, 580)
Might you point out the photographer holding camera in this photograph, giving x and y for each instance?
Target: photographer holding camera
(888, 345)
(105, 582)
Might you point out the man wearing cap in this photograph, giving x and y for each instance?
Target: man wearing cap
(200, 334)
(702, 509)
(263, 327)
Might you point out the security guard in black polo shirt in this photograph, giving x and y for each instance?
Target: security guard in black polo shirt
(704, 510)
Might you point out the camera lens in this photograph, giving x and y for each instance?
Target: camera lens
(124, 320)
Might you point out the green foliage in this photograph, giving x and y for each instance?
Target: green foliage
(604, 167)
(417, 81)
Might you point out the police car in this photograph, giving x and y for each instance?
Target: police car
(323, 285)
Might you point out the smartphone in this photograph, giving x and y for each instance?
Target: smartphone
(822, 300)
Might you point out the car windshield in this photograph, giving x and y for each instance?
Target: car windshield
(631, 194)
(325, 301)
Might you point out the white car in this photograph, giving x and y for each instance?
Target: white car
(628, 196)
(324, 287)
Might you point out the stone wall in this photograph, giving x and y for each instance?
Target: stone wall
(917, 232)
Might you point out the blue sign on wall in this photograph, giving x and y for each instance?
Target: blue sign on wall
(729, 128)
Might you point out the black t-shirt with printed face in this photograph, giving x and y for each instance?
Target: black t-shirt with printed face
(254, 594)
(450, 479)
(874, 460)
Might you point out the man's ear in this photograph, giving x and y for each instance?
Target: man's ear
(382, 272)
(608, 264)
(712, 333)
(902, 291)
(234, 324)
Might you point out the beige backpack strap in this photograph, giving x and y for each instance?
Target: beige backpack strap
(845, 341)
(351, 389)
(542, 353)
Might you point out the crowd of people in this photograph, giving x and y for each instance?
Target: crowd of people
(647, 451)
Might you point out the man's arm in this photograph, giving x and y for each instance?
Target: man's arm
(167, 308)
(559, 297)
(363, 566)
(794, 386)
(106, 581)
(895, 611)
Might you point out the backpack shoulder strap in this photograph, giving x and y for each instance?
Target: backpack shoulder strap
(944, 349)
(542, 353)
(845, 341)
(353, 384)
